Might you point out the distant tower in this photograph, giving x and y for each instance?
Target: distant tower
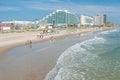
(99, 20)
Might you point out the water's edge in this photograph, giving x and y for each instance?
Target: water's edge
(66, 59)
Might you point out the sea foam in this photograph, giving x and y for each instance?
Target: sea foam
(76, 53)
(88, 60)
(109, 31)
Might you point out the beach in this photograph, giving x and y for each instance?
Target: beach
(33, 62)
(11, 40)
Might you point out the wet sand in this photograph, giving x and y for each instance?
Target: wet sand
(33, 62)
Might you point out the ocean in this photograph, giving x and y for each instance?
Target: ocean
(94, 59)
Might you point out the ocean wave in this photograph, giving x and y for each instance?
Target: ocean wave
(95, 40)
(91, 59)
(96, 70)
(109, 31)
(78, 53)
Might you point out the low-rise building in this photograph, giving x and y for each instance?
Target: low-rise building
(5, 26)
(20, 24)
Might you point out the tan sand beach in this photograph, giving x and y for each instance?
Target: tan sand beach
(12, 40)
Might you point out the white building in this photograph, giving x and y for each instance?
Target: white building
(5, 26)
(86, 20)
(59, 18)
(99, 20)
(19, 22)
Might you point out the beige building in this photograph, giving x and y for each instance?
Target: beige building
(99, 20)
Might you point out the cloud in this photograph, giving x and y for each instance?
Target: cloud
(55, 1)
(59, 1)
(45, 7)
(73, 7)
(4, 8)
(92, 9)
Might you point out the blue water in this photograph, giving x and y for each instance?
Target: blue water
(93, 59)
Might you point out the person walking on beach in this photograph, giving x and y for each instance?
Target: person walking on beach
(29, 42)
(52, 38)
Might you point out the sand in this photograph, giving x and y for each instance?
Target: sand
(12, 40)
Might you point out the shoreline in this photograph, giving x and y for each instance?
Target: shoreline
(48, 66)
(11, 44)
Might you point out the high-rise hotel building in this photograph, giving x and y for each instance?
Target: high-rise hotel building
(60, 18)
(99, 20)
(86, 20)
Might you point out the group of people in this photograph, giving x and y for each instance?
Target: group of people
(40, 36)
(29, 41)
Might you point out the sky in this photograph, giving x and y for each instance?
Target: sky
(36, 9)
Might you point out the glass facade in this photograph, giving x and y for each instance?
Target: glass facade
(60, 17)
